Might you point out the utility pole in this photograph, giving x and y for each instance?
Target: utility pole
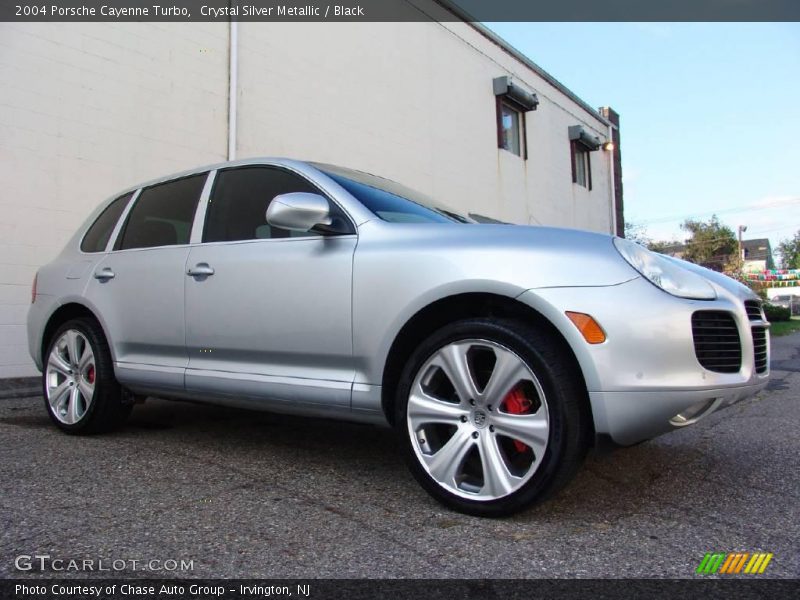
(742, 229)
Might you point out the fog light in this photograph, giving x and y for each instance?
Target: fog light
(695, 412)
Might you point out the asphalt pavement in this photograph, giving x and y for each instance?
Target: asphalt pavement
(243, 494)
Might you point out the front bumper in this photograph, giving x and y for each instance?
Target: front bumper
(646, 372)
(630, 417)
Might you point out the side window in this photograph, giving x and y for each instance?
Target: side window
(163, 214)
(96, 238)
(238, 205)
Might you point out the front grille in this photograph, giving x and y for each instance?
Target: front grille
(753, 308)
(716, 341)
(760, 348)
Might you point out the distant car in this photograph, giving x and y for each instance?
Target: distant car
(787, 301)
(500, 353)
(782, 301)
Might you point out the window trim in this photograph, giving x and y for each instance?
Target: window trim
(120, 235)
(211, 185)
(501, 101)
(196, 236)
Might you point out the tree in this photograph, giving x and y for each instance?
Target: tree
(636, 233)
(664, 247)
(790, 252)
(711, 244)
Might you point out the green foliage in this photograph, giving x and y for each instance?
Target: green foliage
(777, 313)
(784, 327)
(660, 246)
(790, 252)
(711, 244)
(636, 233)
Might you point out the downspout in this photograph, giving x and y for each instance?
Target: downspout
(233, 86)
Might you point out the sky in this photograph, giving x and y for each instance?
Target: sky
(709, 115)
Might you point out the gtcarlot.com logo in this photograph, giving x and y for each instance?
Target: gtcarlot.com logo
(45, 562)
(734, 563)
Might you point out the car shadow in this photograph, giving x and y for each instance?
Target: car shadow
(609, 484)
(609, 487)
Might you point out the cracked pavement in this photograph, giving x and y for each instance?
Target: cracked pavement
(246, 494)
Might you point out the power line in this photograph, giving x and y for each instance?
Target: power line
(726, 211)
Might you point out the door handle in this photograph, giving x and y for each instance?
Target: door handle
(104, 274)
(200, 270)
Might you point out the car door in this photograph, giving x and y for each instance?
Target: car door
(137, 289)
(268, 311)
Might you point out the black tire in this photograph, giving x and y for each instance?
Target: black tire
(108, 408)
(547, 357)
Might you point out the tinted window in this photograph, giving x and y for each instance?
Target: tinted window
(389, 200)
(96, 238)
(163, 214)
(238, 205)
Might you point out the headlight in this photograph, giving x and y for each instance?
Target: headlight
(663, 273)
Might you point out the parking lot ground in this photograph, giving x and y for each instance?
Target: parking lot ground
(245, 494)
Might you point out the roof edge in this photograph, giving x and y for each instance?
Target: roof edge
(520, 56)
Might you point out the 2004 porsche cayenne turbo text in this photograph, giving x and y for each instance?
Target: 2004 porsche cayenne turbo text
(499, 353)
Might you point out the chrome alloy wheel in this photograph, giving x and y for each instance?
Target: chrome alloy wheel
(478, 419)
(70, 377)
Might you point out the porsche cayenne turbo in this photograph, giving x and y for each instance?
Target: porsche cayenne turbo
(499, 353)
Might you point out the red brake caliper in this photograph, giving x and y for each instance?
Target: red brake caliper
(516, 403)
(90, 375)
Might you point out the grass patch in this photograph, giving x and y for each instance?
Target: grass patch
(779, 328)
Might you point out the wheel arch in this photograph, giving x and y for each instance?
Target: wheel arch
(455, 308)
(64, 313)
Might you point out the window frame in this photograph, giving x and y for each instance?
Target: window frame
(199, 229)
(119, 235)
(579, 152)
(500, 102)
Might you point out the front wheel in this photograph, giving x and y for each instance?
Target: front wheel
(80, 391)
(492, 415)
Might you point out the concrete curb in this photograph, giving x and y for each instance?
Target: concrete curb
(20, 387)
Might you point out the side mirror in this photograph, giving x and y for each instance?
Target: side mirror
(299, 211)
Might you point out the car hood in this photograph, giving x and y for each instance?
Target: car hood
(529, 257)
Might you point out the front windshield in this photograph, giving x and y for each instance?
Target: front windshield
(389, 200)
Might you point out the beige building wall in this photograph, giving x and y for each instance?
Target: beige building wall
(414, 102)
(88, 109)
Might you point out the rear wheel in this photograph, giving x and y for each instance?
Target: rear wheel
(80, 391)
(492, 416)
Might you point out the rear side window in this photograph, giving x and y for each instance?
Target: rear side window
(238, 205)
(96, 238)
(163, 214)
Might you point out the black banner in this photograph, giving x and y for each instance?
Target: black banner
(398, 589)
(399, 10)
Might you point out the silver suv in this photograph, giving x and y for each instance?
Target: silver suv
(499, 353)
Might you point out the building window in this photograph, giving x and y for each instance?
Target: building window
(512, 104)
(581, 145)
(511, 129)
(581, 166)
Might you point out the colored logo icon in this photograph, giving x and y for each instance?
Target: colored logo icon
(734, 563)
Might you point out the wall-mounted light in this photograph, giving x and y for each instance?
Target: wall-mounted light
(608, 146)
